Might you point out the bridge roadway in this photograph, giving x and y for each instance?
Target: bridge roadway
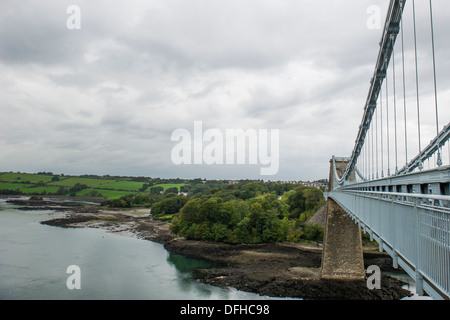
(409, 216)
(406, 212)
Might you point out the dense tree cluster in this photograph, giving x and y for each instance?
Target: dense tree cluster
(129, 201)
(170, 205)
(250, 213)
(243, 212)
(77, 187)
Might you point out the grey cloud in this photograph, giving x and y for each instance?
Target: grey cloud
(264, 101)
(32, 32)
(106, 98)
(76, 79)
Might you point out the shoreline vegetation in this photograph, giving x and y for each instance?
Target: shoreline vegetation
(258, 233)
(230, 211)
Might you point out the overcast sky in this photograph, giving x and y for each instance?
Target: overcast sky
(105, 98)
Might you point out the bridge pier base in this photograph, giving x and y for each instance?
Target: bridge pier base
(342, 257)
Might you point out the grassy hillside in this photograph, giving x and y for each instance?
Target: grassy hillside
(71, 181)
(82, 186)
(24, 177)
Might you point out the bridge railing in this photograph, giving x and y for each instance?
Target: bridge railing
(413, 228)
(401, 204)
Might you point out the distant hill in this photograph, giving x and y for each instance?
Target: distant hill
(109, 187)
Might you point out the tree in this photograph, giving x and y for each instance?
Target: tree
(172, 190)
(210, 210)
(220, 233)
(189, 213)
(312, 232)
(62, 191)
(156, 190)
(77, 187)
(144, 187)
(168, 206)
(144, 199)
(241, 232)
(313, 198)
(94, 193)
(295, 199)
(203, 232)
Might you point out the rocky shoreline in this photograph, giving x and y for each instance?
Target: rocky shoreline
(284, 270)
(271, 269)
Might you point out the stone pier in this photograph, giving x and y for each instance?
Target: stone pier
(342, 257)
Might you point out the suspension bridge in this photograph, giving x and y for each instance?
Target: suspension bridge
(393, 186)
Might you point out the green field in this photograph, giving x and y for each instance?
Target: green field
(40, 190)
(14, 186)
(110, 194)
(71, 181)
(169, 185)
(28, 183)
(122, 185)
(27, 188)
(22, 177)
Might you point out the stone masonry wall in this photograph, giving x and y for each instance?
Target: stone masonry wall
(342, 257)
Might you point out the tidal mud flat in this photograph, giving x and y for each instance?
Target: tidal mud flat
(270, 269)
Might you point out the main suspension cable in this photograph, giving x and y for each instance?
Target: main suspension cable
(439, 160)
(381, 131)
(395, 112)
(404, 92)
(376, 138)
(417, 85)
(387, 128)
(371, 133)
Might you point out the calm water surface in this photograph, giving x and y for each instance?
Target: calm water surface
(34, 260)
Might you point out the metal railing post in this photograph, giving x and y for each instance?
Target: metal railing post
(419, 277)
